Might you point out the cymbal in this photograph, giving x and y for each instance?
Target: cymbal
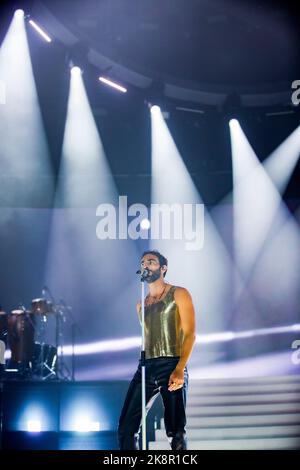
(19, 311)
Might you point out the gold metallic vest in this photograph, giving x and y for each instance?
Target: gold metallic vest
(163, 333)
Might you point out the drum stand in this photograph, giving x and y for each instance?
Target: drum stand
(51, 358)
(61, 369)
(43, 365)
(67, 315)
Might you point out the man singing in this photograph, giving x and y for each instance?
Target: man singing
(169, 340)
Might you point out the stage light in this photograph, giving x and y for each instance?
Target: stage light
(95, 426)
(34, 426)
(40, 31)
(233, 122)
(19, 14)
(76, 70)
(113, 84)
(85, 425)
(155, 109)
(145, 224)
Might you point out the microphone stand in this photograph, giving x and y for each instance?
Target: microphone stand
(143, 357)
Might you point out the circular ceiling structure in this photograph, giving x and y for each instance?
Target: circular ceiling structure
(212, 51)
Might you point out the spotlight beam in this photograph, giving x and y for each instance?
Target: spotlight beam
(266, 238)
(125, 344)
(85, 189)
(25, 159)
(172, 187)
(282, 162)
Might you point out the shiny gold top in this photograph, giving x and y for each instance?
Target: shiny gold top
(163, 333)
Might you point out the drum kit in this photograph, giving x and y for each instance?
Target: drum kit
(31, 359)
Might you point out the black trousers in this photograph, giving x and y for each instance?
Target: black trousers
(157, 373)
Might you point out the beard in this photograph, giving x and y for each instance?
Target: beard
(153, 276)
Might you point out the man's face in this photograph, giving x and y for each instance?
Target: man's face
(151, 262)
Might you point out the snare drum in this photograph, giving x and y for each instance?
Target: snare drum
(21, 326)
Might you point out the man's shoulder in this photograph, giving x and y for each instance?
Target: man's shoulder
(180, 289)
(181, 292)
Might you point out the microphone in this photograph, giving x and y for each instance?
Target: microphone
(144, 273)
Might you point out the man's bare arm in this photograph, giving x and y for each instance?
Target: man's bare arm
(188, 324)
